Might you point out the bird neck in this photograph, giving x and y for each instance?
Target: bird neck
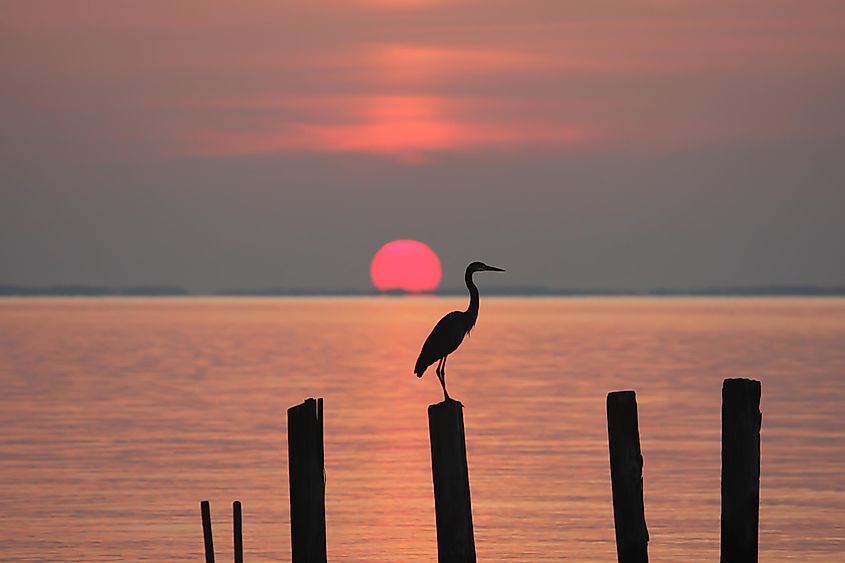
(472, 310)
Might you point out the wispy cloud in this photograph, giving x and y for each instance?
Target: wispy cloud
(408, 128)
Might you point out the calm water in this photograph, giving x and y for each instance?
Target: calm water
(120, 415)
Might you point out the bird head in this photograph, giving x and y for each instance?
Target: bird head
(482, 267)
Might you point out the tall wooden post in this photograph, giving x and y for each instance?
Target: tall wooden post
(741, 419)
(205, 510)
(237, 531)
(626, 474)
(307, 487)
(455, 541)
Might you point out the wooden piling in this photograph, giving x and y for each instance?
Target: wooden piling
(205, 510)
(741, 419)
(453, 510)
(237, 531)
(626, 474)
(307, 486)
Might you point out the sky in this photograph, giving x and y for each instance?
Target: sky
(582, 144)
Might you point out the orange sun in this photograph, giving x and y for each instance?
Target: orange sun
(406, 265)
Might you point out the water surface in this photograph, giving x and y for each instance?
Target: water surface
(120, 415)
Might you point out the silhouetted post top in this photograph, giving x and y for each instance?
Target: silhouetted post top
(450, 401)
(622, 397)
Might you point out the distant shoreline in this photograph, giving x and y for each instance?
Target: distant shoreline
(9, 290)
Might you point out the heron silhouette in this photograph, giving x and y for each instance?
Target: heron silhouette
(448, 334)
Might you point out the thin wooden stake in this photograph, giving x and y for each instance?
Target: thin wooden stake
(741, 419)
(626, 474)
(307, 487)
(205, 510)
(453, 510)
(238, 532)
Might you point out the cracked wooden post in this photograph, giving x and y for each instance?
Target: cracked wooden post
(453, 510)
(626, 474)
(307, 486)
(741, 420)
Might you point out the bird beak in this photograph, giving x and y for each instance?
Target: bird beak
(492, 269)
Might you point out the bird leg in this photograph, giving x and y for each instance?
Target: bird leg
(440, 375)
(445, 393)
(443, 379)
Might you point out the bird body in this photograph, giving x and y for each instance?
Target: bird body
(450, 331)
(444, 339)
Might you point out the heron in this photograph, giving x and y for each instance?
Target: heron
(449, 332)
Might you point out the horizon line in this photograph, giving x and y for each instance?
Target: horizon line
(84, 290)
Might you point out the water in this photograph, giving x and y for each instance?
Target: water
(120, 415)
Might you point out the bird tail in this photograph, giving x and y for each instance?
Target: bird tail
(420, 368)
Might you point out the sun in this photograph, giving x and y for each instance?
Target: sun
(405, 265)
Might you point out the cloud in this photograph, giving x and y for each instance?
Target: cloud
(414, 79)
(410, 128)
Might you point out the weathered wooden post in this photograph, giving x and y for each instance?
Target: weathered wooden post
(453, 511)
(626, 474)
(307, 487)
(741, 419)
(237, 531)
(205, 510)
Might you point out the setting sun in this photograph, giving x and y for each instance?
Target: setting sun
(406, 265)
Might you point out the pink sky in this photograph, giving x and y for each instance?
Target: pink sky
(579, 143)
(412, 79)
